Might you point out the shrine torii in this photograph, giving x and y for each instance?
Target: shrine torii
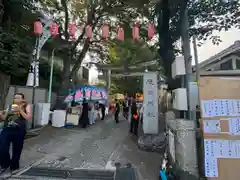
(125, 71)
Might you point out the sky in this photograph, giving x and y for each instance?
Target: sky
(208, 49)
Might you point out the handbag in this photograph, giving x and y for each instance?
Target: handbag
(135, 116)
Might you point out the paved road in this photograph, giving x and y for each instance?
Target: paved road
(96, 147)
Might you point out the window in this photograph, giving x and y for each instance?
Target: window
(237, 63)
(226, 65)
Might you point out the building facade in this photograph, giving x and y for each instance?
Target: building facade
(228, 59)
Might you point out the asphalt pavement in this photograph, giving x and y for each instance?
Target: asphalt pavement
(99, 146)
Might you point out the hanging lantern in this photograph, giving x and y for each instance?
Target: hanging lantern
(38, 28)
(120, 34)
(72, 30)
(88, 31)
(54, 29)
(105, 31)
(151, 30)
(135, 31)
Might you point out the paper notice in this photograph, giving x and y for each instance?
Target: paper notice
(234, 126)
(211, 168)
(211, 126)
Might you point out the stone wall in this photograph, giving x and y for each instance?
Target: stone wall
(41, 95)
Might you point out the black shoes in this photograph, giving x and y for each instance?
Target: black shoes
(3, 170)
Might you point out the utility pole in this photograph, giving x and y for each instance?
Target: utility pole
(51, 78)
(188, 60)
(186, 150)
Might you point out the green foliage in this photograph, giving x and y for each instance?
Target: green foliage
(95, 13)
(130, 85)
(44, 73)
(13, 60)
(129, 52)
(17, 41)
(125, 54)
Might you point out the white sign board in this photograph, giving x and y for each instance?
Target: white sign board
(193, 95)
(150, 103)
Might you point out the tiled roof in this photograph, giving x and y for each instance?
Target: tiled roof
(231, 49)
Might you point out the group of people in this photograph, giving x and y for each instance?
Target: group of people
(135, 115)
(14, 120)
(87, 116)
(13, 132)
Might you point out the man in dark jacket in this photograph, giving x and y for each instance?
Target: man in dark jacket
(117, 111)
(134, 118)
(84, 119)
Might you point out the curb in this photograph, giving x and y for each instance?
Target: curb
(34, 132)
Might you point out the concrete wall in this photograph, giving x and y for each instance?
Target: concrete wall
(41, 95)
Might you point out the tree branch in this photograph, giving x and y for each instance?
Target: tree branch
(90, 21)
(80, 58)
(64, 4)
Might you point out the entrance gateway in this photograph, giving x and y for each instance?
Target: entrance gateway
(151, 83)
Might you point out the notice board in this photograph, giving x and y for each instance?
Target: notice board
(220, 112)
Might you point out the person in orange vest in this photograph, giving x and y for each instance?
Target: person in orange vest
(134, 118)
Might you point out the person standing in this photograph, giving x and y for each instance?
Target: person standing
(84, 120)
(125, 109)
(141, 113)
(91, 113)
(13, 132)
(117, 111)
(103, 109)
(134, 118)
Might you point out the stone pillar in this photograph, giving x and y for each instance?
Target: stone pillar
(186, 149)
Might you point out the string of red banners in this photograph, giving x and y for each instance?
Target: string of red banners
(54, 30)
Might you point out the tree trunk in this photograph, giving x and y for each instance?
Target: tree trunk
(80, 58)
(1, 11)
(4, 88)
(164, 36)
(65, 85)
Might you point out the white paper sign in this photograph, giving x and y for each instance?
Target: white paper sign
(211, 168)
(220, 107)
(214, 149)
(234, 126)
(211, 126)
(150, 103)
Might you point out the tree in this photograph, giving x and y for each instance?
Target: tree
(93, 13)
(126, 54)
(16, 43)
(204, 18)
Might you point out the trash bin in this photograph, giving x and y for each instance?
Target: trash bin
(42, 111)
(59, 117)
